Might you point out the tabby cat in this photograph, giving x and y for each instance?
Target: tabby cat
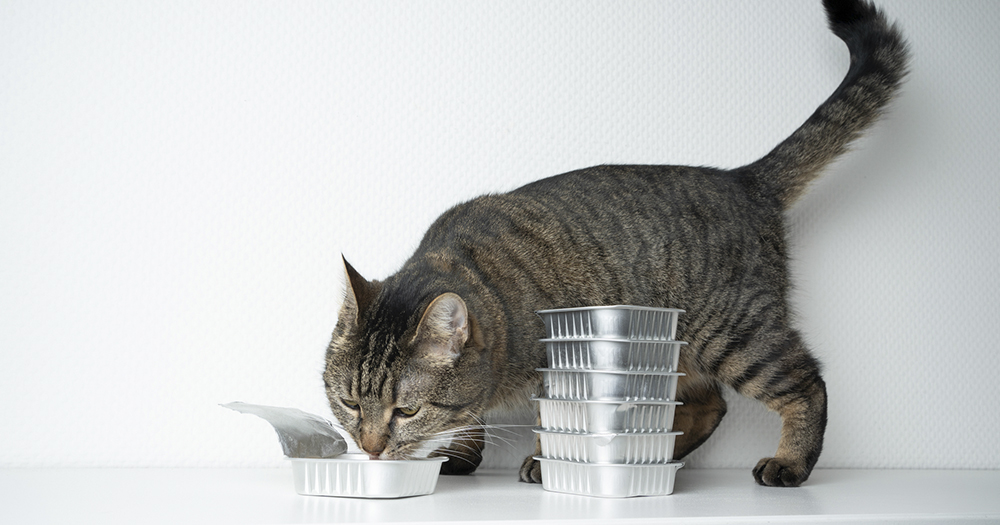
(417, 359)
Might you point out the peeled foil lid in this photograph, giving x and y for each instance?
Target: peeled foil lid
(302, 435)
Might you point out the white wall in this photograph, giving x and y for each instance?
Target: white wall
(179, 179)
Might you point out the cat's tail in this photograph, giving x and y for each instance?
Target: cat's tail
(878, 65)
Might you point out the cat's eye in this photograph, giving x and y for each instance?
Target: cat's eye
(349, 404)
(407, 411)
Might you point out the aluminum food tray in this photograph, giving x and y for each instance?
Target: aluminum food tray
(356, 476)
(614, 322)
(613, 354)
(609, 385)
(608, 481)
(606, 416)
(609, 448)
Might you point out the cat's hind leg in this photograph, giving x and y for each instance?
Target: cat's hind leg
(803, 417)
(697, 418)
(778, 370)
(700, 414)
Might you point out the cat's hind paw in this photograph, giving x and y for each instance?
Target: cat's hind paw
(778, 472)
(531, 470)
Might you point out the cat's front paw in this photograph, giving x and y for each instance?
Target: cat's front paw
(531, 470)
(778, 472)
(457, 466)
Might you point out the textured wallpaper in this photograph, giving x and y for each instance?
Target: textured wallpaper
(178, 181)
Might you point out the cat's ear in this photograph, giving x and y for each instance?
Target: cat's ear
(360, 292)
(445, 329)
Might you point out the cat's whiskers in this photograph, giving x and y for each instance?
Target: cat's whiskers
(490, 430)
(444, 452)
(488, 435)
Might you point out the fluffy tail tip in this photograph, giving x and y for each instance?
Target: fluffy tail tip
(846, 12)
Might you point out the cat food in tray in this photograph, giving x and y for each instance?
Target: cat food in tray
(609, 481)
(609, 385)
(613, 322)
(606, 416)
(613, 354)
(356, 476)
(654, 447)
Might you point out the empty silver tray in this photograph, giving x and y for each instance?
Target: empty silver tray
(612, 448)
(615, 322)
(608, 481)
(606, 416)
(613, 354)
(609, 385)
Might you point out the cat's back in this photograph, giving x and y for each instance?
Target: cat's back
(595, 236)
(610, 203)
(661, 191)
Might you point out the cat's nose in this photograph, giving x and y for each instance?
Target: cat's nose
(374, 450)
(373, 444)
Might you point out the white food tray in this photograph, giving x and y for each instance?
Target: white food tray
(614, 322)
(356, 476)
(606, 416)
(608, 481)
(609, 385)
(613, 354)
(611, 448)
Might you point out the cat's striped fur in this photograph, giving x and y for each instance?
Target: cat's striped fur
(418, 358)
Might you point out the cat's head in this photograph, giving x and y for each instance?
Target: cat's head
(404, 372)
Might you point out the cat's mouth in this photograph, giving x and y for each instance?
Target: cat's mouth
(412, 450)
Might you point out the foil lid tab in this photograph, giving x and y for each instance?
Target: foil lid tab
(302, 435)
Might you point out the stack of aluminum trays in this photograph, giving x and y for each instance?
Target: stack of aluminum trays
(608, 409)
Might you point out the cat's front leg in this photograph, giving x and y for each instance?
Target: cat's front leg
(464, 454)
(531, 468)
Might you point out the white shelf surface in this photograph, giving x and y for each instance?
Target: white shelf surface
(224, 496)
